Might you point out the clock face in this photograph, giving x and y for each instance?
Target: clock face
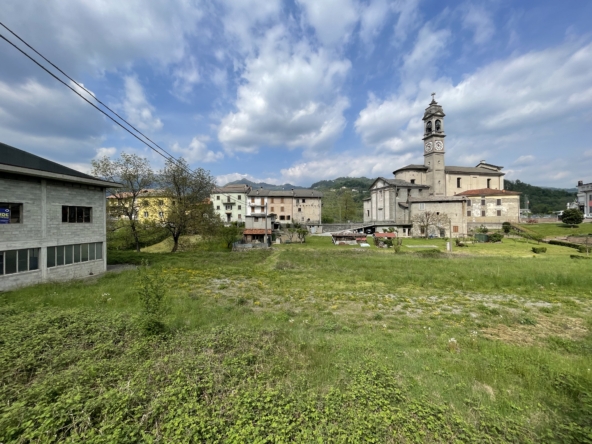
(428, 147)
(439, 145)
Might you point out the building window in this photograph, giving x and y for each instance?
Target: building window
(488, 183)
(10, 213)
(499, 212)
(161, 214)
(288, 217)
(482, 213)
(262, 201)
(76, 215)
(240, 207)
(272, 200)
(469, 213)
(458, 182)
(252, 200)
(217, 197)
(18, 261)
(368, 211)
(412, 180)
(499, 202)
(145, 213)
(297, 201)
(469, 203)
(70, 254)
(272, 209)
(303, 200)
(282, 217)
(228, 207)
(240, 197)
(256, 219)
(217, 207)
(160, 202)
(282, 200)
(299, 210)
(422, 206)
(455, 228)
(482, 202)
(282, 209)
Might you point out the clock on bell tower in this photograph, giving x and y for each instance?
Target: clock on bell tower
(433, 147)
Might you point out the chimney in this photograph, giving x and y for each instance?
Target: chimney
(580, 183)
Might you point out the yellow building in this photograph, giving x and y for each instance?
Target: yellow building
(149, 206)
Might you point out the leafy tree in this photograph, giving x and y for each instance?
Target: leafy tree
(427, 219)
(185, 208)
(136, 175)
(230, 234)
(507, 227)
(572, 217)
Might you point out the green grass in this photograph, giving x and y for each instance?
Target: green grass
(555, 229)
(307, 343)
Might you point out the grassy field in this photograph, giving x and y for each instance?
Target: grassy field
(555, 229)
(308, 343)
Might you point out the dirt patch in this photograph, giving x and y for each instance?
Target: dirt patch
(562, 326)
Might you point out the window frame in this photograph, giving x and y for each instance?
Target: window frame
(11, 206)
(19, 261)
(75, 214)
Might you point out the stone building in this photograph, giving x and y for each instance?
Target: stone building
(52, 221)
(470, 196)
(301, 206)
(584, 198)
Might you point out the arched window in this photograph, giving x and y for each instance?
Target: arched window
(438, 125)
(429, 127)
(458, 182)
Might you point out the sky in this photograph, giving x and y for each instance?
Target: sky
(305, 90)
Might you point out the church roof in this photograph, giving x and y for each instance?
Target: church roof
(489, 192)
(456, 198)
(472, 170)
(412, 167)
(399, 183)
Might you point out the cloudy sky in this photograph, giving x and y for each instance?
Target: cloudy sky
(304, 90)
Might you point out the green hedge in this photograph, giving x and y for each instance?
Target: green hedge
(575, 256)
(539, 250)
(564, 244)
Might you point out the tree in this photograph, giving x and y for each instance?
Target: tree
(230, 234)
(427, 219)
(572, 217)
(136, 175)
(184, 205)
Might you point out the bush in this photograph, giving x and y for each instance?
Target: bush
(572, 217)
(575, 256)
(506, 227)
(584, 248)
(564, 244)
(151, 294)
(539, 250)
(496, 237)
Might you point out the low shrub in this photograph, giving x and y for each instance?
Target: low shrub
(576, 256)
(496, 237)
(564, 244)
(539, 250)
(585, 249)
(429, 252)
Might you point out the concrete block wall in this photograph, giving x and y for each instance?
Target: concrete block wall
(42, 227)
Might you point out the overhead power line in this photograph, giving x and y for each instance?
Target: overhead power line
(166, 154)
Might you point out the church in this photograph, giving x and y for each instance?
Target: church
(469, 196)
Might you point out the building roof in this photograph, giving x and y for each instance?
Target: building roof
(256, 231)
(17, 161)
(458, 169)
(348, 233)
(236, 188)
(398, 183)
(489, 192)
(456, 198)
(301, 192)
(143, 193)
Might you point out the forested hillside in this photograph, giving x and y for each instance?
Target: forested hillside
(342, 200)
(541, 200)
(267, 186)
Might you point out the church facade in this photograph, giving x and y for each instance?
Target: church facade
(469, 196)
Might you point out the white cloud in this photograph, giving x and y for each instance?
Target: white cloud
(137, 108)
(477, 19)
(108, 152)
(408, 18)
(372, 19)
(333, 20)
(197, 151)
(289, 96)
(186, 77)
(524, 160)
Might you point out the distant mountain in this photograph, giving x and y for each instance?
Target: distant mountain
(356, 183)
(266, 186)
(542, 200)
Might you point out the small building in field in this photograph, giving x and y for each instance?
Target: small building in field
(251, 235)
(348, 238)
(52, 221)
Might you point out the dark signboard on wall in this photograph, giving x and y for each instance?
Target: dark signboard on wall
(4, 215)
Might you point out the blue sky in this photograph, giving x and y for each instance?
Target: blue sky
(305, 90)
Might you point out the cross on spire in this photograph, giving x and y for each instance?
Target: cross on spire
(433, 98)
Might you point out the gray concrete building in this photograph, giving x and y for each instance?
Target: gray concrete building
(52, 221)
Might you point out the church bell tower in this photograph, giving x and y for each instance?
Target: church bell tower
(433, 148)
